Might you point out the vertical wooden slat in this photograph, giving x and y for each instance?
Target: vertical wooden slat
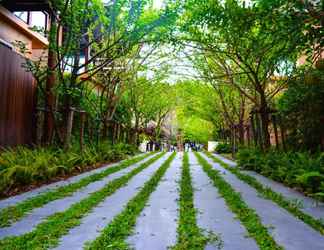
(17, 100)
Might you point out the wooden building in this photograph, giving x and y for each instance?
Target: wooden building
(17, 87)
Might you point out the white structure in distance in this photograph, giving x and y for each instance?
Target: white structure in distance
(212, 145)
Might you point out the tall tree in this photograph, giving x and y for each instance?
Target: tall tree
(97, 39)
(244, 42)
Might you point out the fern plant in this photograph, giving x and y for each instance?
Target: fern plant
(24, 166)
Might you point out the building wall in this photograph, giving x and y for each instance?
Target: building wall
(12, 29)
(17, 87)
(9, 34)
(17, 101)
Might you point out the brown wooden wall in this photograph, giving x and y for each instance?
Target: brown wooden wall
(17, 100)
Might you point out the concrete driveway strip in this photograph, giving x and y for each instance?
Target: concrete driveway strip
(103, 214)
(287, 231)
(308, 205)
(156, 227)
(29, 222)
(24, 196)
(225, 160)
(214, 215)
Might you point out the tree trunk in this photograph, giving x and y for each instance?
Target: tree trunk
(254, 132)
(264, 115)
(50, 82)
(258, 130)
(135, 138)
(241, 133)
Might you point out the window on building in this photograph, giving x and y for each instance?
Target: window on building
(23, 15)
(38, 22)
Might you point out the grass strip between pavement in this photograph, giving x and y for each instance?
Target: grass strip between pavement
(13, 213)
(268, 193)
(47, 233)
(114, 235)
(190, 236)
(234, 201)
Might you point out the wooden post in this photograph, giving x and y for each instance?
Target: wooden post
(90, 128)
(283, 135)
(113, 132)
(118, 132)
(97, 131)
(69, 129)
(255, 135)
(82, 122)
(122, 135)
(248, 135)
(274, 121)
(232, 138)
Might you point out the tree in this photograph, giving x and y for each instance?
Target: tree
(302, 107)
(305, 20)
(197, 110)
(243, 41)
(232, 103)
(97, 38)
(148, 100)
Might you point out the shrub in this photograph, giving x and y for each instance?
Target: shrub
(299, 170)
(223, 148)
(24, 166)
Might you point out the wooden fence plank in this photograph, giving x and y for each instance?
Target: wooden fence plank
(17, 100)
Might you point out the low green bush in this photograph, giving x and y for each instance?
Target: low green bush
(223, 148)
(25, 166)
(299, 170)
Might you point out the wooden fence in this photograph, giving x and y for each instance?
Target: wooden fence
(17, 100)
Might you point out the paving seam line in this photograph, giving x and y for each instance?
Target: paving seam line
(47, 233)
(16, 212)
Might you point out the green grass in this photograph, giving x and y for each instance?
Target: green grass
(234, 201)
(47, 233)
(16, 212)
(190, 236)
(114, 235)
(268, 193)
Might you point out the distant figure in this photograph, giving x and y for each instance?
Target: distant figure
(151, 145)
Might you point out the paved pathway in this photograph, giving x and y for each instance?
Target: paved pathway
(29, 222)
(156, 227)
(92, 224)
(227, 161)
(308, 205)
(24, 196)
(288, 231)
(213, 214)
